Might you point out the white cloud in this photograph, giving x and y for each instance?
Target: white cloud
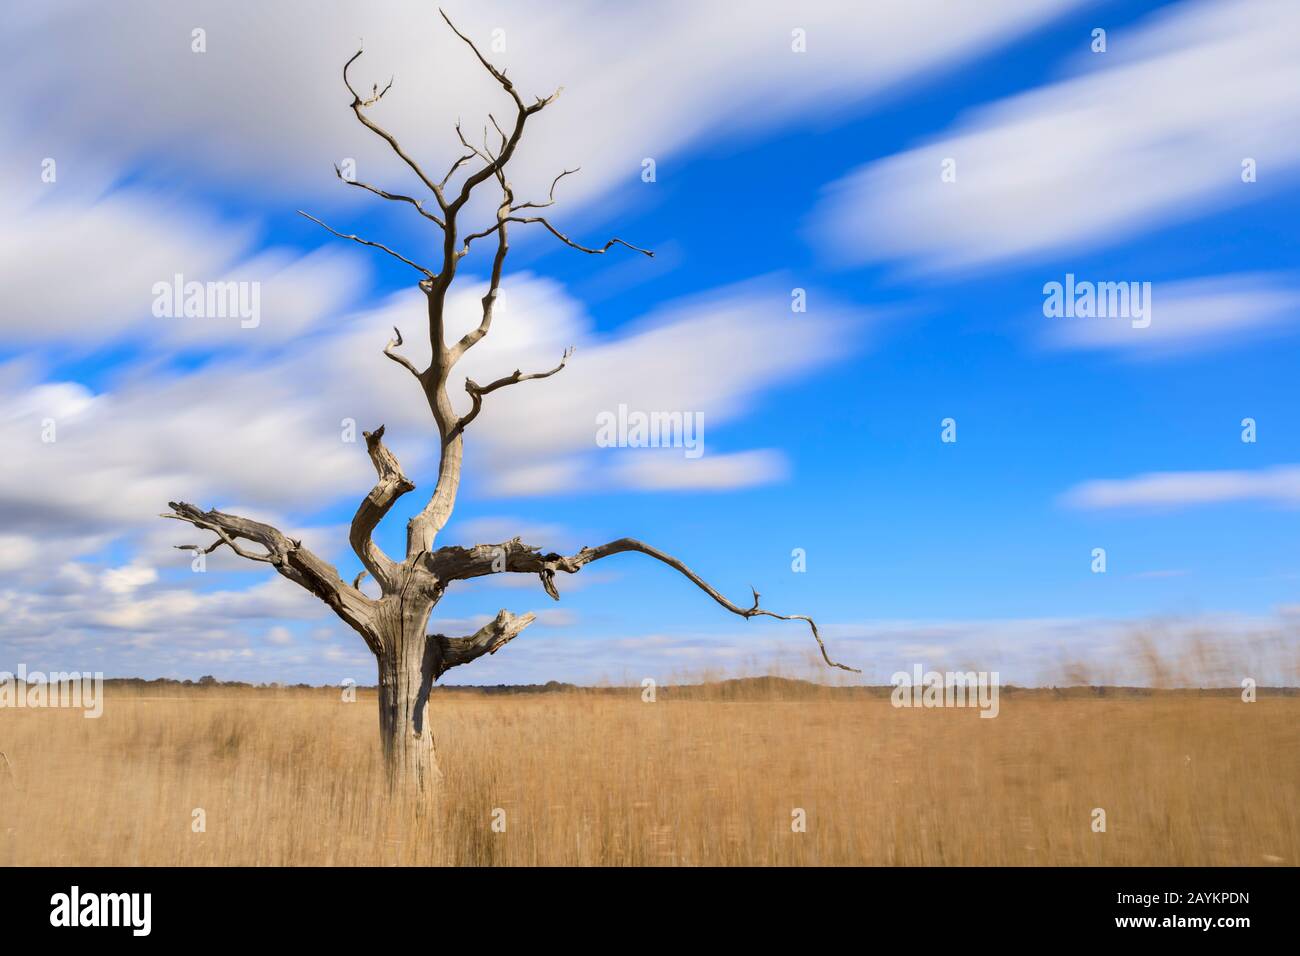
(669, 471)
(18, 551)
(127, 579)
(113, 619)
(80, 267)
(275, 81)
(1188, 315)
(708, 356)
(224, 432)
(279, 635)
(278, 85)
(61, 401)
(541, 478)
(236, 432)
(1279, 486)
(1152, 131)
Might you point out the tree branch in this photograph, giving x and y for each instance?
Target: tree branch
(488, 639)
(489, 299)
(291, 559)
(392, 485)
(499, 75)
(223, 538)
(358, 104)
(458, 163)
(424, 527)
(509, 143)
(452, 564)
(550, 198)
(476, 391)
(401, 360)
(395, 197)
(527, 220)
(376, 245)
(576, 245)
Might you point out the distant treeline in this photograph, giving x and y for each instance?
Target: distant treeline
(743, 688)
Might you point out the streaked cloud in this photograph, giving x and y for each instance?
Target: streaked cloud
(1279, 485)
(278, 85)
(1153, 131)
(229, 432)
(1190, 315)
(660, 471)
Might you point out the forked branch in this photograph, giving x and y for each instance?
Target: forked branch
(476, 391)
(577, 245)
(392, 484)
(550, 197)
(358, 105)
(528, 220)
(401, 360)
(488, 639)
(289, 557)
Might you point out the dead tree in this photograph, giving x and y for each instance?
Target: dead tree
(393, 625)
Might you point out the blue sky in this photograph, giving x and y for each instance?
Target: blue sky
(775, 170)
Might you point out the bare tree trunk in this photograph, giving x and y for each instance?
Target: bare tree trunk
(409, 663)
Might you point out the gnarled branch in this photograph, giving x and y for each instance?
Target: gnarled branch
(476, 391)
(550, 197)
(289, 557)
(488, 639)
(224, 538)
(451, 564)
(577, 245)
(358, 104)
(401, 360)
(508, 142)
(392, 485)
(526, 220)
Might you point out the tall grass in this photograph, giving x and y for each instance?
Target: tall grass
(604, 778)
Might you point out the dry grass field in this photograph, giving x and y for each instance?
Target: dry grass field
(291, 777)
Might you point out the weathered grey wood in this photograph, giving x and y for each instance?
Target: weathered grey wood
(488, 639)
(392, 485)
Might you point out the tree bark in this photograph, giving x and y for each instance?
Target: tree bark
(409, 662)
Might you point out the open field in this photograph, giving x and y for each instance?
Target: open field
(290, 777)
